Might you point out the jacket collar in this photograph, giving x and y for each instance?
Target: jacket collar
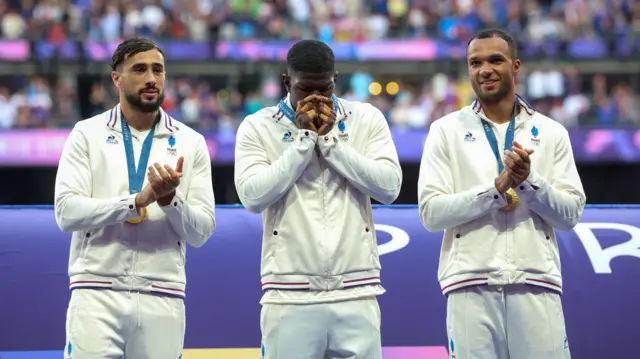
(166, 126)
(525, 112)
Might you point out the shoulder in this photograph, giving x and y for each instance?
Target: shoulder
(454, 120)
(99, 121)
(544, 128)
(93, 127)
(548, 124)
(356, 108)
(361, 115)
(263, 116)
(184, 131)
(266, 116)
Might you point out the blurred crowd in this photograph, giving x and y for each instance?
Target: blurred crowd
(328, 20)
(563, 94)
(206, 104)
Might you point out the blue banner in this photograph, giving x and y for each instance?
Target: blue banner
(424, 49)
(600, 258)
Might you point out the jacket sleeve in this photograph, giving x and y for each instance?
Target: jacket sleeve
(376, 172)
(439, 205)
(560, 199)
(75, 209)
(193, 217)
(260, 182)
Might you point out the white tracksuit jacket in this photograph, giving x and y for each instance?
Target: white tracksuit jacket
(457, 194)
(314, 194)
(92, 200)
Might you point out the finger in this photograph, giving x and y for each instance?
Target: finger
(312, 114)
(522, 154)
(325, 100)
(516, 144)
(304, 102)
(325, 109)
(510, 165)
(508, 162)
(152, 176)
(161, 172)
(515, 157)
(515, 173)
(179, 165)
(323, 117)
(172, 173)
(508, 155)
(525, 152)
(304, 106)
(311, 98)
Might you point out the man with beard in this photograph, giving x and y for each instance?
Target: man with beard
(130, 231)
(498, 178)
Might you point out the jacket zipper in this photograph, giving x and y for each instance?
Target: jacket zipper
(324, 213)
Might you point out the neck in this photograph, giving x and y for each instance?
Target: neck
(499, 112)
(141, 121)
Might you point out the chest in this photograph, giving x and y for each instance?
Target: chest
(471, 151)
(112, 167)
(283, 135)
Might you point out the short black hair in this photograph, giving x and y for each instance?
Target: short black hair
(131, 47)
(311, 56)
(490, 33)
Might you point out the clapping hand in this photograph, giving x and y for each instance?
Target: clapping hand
(517, 163)
(163, 181)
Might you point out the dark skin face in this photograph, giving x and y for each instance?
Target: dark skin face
(492, 69)
(301, 85)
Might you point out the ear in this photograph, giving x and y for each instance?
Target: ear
(115, 77)
(516, 67)
(286, 80)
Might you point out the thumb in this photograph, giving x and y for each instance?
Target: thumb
(179, 165)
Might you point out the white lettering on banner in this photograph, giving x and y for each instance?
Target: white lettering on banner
(399, 239)
(601, 257)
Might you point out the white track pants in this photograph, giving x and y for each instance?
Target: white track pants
(510, 322)
(108, 324)
(345, 330)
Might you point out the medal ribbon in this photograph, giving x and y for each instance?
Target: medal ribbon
(136, 177)
(508, 142)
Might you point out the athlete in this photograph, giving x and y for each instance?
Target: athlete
(310, 165)
(499, 178)
(134, 186)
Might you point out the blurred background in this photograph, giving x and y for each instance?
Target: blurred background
(225, 57)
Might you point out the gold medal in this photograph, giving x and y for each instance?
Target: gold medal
(143, 215)
(512, 200)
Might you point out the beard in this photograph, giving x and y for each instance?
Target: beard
(136, 101)
(494, 96)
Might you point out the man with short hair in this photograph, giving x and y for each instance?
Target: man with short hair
(310, 165)
(498, 178)
(134, 186)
